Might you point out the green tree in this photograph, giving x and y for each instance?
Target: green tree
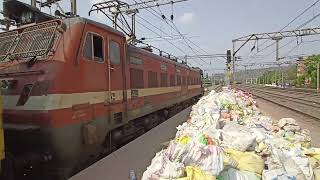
(292, 73)
(299, 81)
(311, 69)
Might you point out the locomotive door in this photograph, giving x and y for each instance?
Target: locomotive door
(116, 77)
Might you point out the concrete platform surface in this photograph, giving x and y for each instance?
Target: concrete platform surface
(136, 155)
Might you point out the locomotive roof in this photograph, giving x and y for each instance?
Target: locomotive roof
(160, 58)
(74, 20)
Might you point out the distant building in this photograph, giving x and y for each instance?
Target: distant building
(301, 67)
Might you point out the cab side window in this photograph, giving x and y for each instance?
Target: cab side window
(114, 49)
(93, 48)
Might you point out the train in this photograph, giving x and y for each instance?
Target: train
(74, 90)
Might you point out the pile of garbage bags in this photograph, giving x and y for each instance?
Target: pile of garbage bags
(228, 138)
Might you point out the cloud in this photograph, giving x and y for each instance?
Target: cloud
(95, 1)
(187, 18)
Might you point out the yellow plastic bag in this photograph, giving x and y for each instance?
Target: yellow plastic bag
(313, 152)
(315, 164)
(194, 173)
(261, 147)
(247, 161)
(183, 140)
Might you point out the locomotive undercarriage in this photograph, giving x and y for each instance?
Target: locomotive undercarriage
(26, 154)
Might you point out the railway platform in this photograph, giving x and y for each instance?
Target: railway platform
(134, 156)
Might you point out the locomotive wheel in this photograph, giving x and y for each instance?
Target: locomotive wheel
(173, 110)
(109, 146)
(152, 121)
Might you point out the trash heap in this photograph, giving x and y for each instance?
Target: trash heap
(228, 138)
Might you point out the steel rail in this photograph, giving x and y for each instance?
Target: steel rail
(309, 109)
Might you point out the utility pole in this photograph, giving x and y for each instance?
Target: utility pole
(279, 76)
(74, 7)
(277, 39)
(186, 59)
(228, 69)
(318, 76)
(245, 73)
(282, 80)
(34, 3)
(233, 61)
(213, 80)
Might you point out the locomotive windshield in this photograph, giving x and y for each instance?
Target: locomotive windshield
(32, 42)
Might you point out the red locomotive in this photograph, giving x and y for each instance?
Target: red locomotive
(73, 89)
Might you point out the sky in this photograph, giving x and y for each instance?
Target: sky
(210, 25)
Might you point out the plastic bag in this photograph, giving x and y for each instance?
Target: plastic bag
(262, 122)
(225, 99)
(303, 164)
(259, 133)
(293, 169)
(313, 152)
(276, 174)
(155, 167)
(247, 161)
(208, 158)
(176, 151)
(315, 164)
(316, 174)
(183, 140)
(172, 170)
(287, 121)
(206, 140)
(237, 137)
(194, 173)
(233, 174)
(213, 123)
(162, 167)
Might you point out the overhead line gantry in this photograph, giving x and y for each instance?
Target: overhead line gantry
(277, 36)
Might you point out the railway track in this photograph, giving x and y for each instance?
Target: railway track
(306, 103)
(218, 88)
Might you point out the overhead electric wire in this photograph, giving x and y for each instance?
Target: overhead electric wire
(176, 28)
(179, 32)
(162, 38)
(160, 16)
(297, 17)
(287, 25)
(182, 36)
(160, 35)
(298, 45)
(159, 28)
